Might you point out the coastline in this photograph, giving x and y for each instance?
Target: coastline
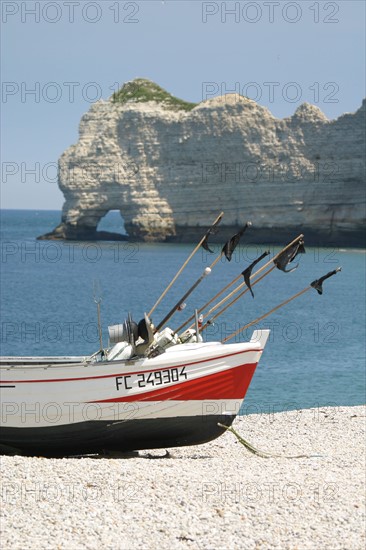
(216, 495)
(347, 237)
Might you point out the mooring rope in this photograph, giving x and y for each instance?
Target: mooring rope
(257, 452)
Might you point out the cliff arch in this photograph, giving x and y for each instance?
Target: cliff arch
(170, 167)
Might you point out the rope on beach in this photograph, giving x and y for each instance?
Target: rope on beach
(257, 452)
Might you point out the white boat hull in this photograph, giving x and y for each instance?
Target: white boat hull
(72, 406)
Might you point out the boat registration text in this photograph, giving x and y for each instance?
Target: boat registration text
(156, 378)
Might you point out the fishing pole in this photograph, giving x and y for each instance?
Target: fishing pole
(208, 303)
(210, 321)
(317, 285)
(202, 241)
(236, 279)
(206, 272)
(97, 301)
(239, 287)
(227, 250)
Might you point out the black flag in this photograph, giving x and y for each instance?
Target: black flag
(289, 255)
(317, 284)
(248, 271)
(232, 243)
(211, 231)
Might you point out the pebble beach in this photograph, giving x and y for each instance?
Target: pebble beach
(211, 496)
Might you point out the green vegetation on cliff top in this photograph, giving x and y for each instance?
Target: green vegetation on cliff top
(142, 90)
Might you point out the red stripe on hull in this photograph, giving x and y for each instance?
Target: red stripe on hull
(229, 384)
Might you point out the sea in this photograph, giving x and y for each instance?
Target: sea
(315, 356)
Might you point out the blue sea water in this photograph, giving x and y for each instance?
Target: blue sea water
(316, 352)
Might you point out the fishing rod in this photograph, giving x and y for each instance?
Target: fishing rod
(203, 242)
(233, 292)
(226, 251)
(210, 321)
(206, 272)
(202, 308)
(298, 239)
(317, 285)
(97, 300)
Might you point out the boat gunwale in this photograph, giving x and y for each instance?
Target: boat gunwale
(122, 364)
(89, 361)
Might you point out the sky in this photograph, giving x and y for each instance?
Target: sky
(58, 57)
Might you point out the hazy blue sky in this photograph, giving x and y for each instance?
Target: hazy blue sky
(73, 52)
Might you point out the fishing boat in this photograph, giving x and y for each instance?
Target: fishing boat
(56, 406)
(152, 387)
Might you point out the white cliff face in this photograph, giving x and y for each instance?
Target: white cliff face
(170, 172)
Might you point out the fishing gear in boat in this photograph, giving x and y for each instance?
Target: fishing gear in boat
(247, 273)
(231, 244)
(221, 311)
(317, 285)
(97, 300)
(287, 256)
(212, 319)
(206, 272)
(131, 339)
(123, 337)
(204, 243)
(280, 260)
(227, 250)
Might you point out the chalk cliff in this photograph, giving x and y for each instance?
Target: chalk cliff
(170, 166)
